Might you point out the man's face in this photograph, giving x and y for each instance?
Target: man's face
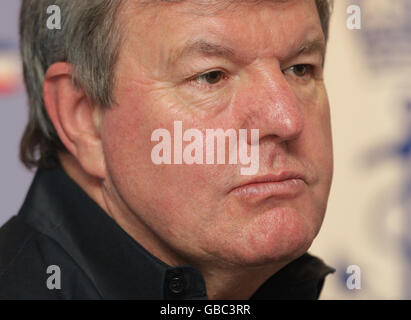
(231, 66)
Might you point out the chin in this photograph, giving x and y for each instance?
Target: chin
(277, 236)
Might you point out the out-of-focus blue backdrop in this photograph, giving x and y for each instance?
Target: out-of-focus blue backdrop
(14, 179)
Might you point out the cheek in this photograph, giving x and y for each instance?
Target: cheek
(124, 140)
(320, 149)
(316, 140)
(325, 148)
(178, 190)
(315, 148)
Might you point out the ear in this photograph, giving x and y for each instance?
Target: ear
(75, 118)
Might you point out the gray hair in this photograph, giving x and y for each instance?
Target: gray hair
(89, 39)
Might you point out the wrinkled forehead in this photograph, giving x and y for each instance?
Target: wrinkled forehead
(153, 10)
(207, 7)
(249, 28)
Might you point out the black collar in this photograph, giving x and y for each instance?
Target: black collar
(118, 267)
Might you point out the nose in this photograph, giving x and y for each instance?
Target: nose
(273, 107)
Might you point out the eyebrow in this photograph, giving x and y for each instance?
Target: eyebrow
(309, 47)
(203, 47)
(207, 48)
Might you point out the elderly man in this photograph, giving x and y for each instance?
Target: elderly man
(106, 216)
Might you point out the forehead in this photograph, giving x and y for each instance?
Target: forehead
(256, 24)
(205, 7)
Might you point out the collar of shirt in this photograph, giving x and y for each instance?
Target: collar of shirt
(119, 267)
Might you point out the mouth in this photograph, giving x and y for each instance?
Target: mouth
(285, 185)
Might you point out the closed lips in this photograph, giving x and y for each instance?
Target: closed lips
(285, 185)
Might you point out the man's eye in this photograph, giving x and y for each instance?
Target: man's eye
(302, 70)
(209, 78)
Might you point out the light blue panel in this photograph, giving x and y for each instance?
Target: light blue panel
(14, 178)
